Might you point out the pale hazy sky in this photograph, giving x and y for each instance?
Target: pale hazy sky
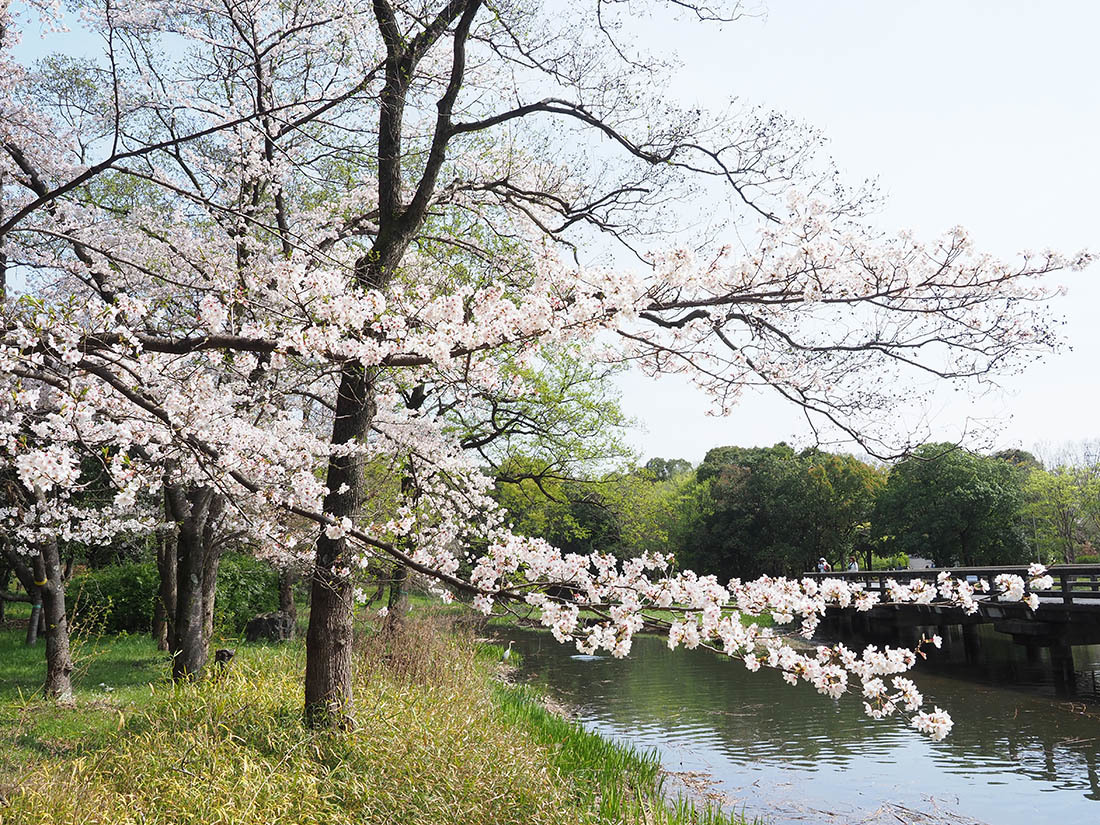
(984, 114)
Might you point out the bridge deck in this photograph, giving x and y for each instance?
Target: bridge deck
(1069, 613)
(1074, 584)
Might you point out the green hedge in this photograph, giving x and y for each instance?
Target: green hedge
(121, 598)
(114, 599)
(246, 586)
(898, 561)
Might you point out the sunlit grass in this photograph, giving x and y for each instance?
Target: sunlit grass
(437, 741)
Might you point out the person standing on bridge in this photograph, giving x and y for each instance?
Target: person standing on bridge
(823, 566)
(853, 565)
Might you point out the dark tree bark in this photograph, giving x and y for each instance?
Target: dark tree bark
(189, 653)
(211, 562)
(35, 620)
(18, 564)
(287, 578)
(328, 692)
(398, 597)
(164, 624)
(191, 509)
(328, 639)
(59, 660)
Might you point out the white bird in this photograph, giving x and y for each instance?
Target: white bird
(508, 653)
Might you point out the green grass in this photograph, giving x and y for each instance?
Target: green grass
(437, 741)
(617, 781)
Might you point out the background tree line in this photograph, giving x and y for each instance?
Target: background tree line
(743, 511)
(747, 511)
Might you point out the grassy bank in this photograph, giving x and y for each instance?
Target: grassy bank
(437, 740)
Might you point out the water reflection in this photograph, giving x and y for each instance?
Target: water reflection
(994, 658)
(796, 756)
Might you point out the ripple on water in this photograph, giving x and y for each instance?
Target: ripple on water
(761, 738)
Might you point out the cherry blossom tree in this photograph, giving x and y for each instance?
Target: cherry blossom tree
(253, 234)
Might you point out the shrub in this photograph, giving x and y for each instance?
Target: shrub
(246, 586)
(898, 561)
(121, 598)
(1088, 558)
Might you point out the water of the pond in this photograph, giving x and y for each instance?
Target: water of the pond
(789, 755)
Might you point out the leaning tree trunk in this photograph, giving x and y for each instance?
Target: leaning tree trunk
(59, 660)
(27, 578)
(328, 640)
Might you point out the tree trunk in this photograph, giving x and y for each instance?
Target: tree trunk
(287, 578)
(5, 580)
(33, 623)
(398, 598)
(18, 564)
(59, 660)
(211, 561)
(165, 625)
(328, 640)
(189, 510)
(189, 653)
(160, 625)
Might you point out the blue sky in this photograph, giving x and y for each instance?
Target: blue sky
(984, 114)
(979, 113)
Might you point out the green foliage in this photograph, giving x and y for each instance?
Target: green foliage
(1062, 511)
(567, 421)
(664, 469)
(1019, 458)
(953, 506)
(246, 586)
(447, 746)
(749, 511)
(121, 598)
(772, 510)
(898, 561)
(625, 513)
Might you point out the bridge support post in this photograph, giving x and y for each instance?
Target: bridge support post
(1061, 663)
(972, 643)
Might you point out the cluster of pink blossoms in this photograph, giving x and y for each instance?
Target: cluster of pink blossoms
(601, 605)
(182, 340)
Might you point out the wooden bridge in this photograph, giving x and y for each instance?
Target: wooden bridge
(1068, 614)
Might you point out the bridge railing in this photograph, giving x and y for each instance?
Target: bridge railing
(1072, 582)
